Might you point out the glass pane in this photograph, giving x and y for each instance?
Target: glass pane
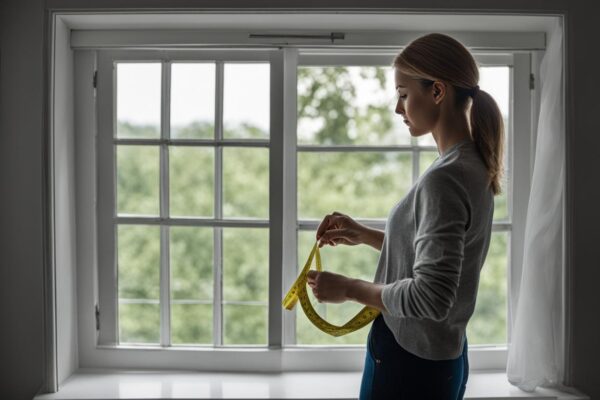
(191, 181)
(426, 140)
(348, 105)
(191, 253)
(496, 81)
(138, 255)
(138, 180)
(352, 261)
(138, 100)
(244, 324)
(501, 206)
(245, 279)
(361, 184)
(139, 323)
(488, 323)
(245, 264)
(191, 323)
(245, 182)
(426, 158)
(192, 100)
(246, 102)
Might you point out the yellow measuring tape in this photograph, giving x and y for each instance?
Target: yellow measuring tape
(298, 291)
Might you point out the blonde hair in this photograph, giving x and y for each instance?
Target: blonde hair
(438, 57)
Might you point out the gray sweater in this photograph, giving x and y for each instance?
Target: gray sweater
(436, 240)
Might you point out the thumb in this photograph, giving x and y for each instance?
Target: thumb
(312, 274)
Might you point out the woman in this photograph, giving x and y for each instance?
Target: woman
(436, 238)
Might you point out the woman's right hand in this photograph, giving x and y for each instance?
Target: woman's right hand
(338, 228)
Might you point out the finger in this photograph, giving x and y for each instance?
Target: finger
(323, 226)
(312, 274)
(333, 234)
(327, 222)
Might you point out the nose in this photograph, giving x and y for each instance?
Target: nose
(399, 108)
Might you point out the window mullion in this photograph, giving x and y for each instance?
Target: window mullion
(218, 231)
(165, 286)
(289, 91)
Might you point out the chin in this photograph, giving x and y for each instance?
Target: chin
(417, 132)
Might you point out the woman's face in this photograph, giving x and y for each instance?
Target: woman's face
(417, 104)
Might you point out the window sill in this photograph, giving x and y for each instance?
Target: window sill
(104, 384)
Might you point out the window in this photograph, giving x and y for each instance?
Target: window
(214, 169)
(191, 183)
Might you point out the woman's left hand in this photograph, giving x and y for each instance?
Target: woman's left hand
(329, 287)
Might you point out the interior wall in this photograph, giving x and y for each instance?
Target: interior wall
(23, 134)
(22, 130)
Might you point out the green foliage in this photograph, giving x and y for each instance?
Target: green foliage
(488, 324)
(361, 184)
(138, 180)
(192, 181)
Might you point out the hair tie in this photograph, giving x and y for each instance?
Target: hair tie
(474, 91)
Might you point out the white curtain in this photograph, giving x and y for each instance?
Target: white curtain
(536, 352)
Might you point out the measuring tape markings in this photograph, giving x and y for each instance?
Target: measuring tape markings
(298, 292)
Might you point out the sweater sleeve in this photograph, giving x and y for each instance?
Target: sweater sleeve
(442, 216)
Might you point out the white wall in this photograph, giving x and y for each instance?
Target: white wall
(22, 143)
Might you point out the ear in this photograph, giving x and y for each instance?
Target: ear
(439, 91)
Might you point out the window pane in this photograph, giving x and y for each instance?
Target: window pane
(496, 81)
(246, 102)
(139, 323)
(361, 184)
(245, 280)
(244, 324)
(501, 206)
(426, 158)
(426, 140)
(191, 252)
(245, 182)
(245, 264)
(138, 100)
(192, 100)
(348, 105)
(138, 254)
(191, 324)
(138, 180)
(191, 178)
(488, 323)
(352, 261)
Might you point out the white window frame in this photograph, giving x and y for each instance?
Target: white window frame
(100, 350)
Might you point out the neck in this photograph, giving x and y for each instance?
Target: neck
(450, 129)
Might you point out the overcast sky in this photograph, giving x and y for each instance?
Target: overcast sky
(246, 92)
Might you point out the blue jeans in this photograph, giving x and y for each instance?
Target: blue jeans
(393, 373)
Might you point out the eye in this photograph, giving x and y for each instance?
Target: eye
(398, 95)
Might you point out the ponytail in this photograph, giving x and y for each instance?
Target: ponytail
(487, 131)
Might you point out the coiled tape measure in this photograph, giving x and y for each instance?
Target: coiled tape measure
(298, 291)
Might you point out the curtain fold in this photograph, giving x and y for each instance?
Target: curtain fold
(536, 352)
